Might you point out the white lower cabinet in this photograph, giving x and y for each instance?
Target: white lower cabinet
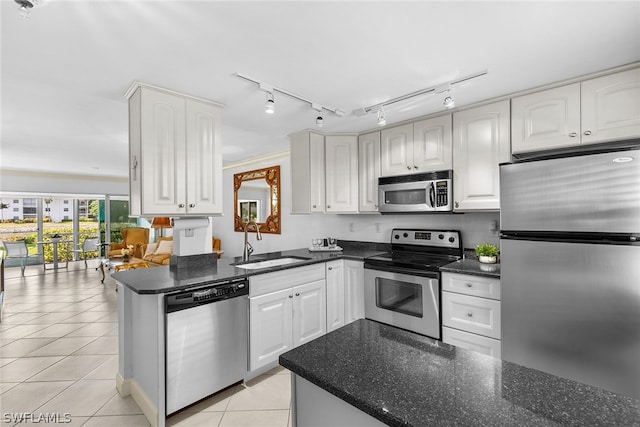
(345, 292)
(286, 308)
(471, 312)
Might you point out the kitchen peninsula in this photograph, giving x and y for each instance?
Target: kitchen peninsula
(367, 373)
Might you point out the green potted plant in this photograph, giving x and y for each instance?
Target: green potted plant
(487, 253)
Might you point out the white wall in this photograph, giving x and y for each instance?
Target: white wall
(298, 230)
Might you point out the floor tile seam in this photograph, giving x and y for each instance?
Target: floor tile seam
(71, 385)
(60, 361)
(41, 370)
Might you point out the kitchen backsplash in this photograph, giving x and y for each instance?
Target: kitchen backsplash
(298, 230)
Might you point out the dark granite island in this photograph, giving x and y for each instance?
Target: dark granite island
(367, 373)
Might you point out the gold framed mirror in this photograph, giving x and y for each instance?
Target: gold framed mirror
(256, 197)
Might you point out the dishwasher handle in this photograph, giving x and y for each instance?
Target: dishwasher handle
(208, 294)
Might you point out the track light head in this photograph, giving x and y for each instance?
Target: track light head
(449, 102)
(382, 120)
(319, 121)
(270, 106)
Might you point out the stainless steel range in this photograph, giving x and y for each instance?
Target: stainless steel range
(402, 287)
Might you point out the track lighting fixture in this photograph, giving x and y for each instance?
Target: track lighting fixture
(382, 119)
(449, 102)
(270, 106)
(435, 90)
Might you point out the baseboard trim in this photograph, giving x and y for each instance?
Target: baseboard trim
(131, 387)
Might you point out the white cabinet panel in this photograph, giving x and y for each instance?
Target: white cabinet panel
(480, 286)
(484, 345)
(432, 144)
(307, 172)
(396, 147)
(368, 171)
(480, 143)
(309, 312)
(353, 291)
(545, 120)
(611, 107)
(335, 274)
(477, 315)
(341, 168)
(270, 326)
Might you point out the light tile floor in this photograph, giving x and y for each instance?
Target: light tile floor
(58, 355)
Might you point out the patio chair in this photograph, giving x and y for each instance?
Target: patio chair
(18, 250)
(90, 244)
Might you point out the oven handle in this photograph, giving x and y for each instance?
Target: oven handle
(402, 270)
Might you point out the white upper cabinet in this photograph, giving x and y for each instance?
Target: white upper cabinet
(598, 110)
(368, 171)
(545, 120)
(611, 107)
(307, 172)
(417, 147)
(480, 144)
(341, 168)
(396, 145)
(174, 153)
(432, 144)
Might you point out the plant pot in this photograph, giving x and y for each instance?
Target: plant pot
(488, 259)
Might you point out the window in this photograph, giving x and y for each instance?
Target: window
(66, 202)
(16, 201)
(16, 209)
(66, 217)
(66, 209)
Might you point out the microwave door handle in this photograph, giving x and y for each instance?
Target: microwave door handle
(432, 194)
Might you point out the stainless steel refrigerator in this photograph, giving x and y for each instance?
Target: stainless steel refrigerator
(570, 267)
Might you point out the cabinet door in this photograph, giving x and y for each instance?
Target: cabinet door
(545, 120)
(484, 345)
(353, 291)
(204, 159)
(335, 294)
(341, 166)
(396, 150)
(611, 107)
(480, 144)
(317, 171)
(270, 327)
(309, 312)
(368, 171)
(162, 162)
(472, 314)
(432, 144)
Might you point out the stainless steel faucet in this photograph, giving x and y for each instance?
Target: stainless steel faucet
(248, 249)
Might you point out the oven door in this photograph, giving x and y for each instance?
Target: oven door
(408, 301)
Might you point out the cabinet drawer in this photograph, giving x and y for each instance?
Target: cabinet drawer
(469, 341)
(283, 279)
(478, 286)
(472, 314)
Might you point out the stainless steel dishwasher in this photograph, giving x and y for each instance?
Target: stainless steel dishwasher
(206, 341)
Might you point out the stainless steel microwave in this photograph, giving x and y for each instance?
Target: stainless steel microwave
(416, 193)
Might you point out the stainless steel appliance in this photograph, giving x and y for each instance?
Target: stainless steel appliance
(415, 193)
(402, 287)
(570, 267)
(206, 341)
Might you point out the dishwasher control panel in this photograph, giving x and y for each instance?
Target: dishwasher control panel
(206, 293)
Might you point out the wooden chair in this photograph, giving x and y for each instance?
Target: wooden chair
(18, 250)
(90, 244)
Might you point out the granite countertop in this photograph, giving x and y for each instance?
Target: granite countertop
(157, 280)
(470, 265)
(406, 379)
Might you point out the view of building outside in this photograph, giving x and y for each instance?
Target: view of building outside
(19, 221)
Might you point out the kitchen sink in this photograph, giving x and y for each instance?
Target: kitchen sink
(270, 263)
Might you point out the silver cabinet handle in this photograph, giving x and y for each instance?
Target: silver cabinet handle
(456, 204)
(573, 134)
(192, 205)
(314, 206)
(408, 167)
(290, 296)
(375, 206)
(330, 268)
(469, 285)
(328, 206)
(297, 294)
(469, 314)
(587, 132)
(181, 205)
(415, 167)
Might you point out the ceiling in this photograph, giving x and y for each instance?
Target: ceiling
(66, 68)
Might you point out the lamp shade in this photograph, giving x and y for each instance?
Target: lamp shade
(161, 222)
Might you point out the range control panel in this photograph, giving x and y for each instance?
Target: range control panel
(422, 237)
